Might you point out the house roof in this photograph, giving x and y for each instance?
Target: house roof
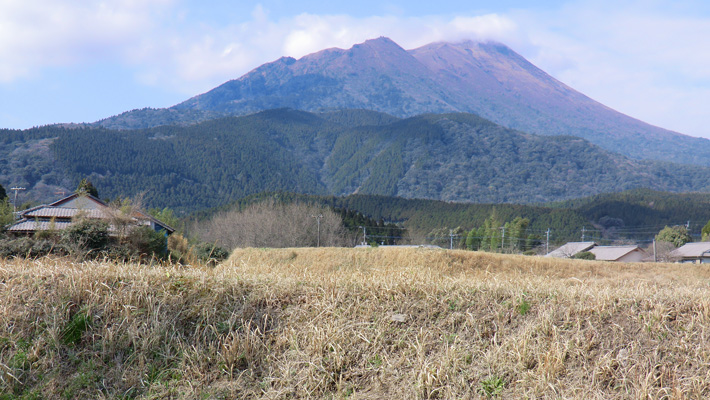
(570, 249)
(62, 212)
(692, 250)
(613, 253)
(30, 225)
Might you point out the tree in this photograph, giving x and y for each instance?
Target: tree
(165, 215)
(6, 217)
(533, 241)
(473, 239)
(272, 224)
(677, 235)
(706, 232)
(86, 187)
(3, 194)
(443, 237)
(515, 232)
(492, 234)
(439, 237)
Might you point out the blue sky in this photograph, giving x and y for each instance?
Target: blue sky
(83, 60)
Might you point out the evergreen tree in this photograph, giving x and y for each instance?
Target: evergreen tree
(473, 239)
(515, 232)
(491, 232)
(6, 216)
(3, 195)
(86, 187)
(165, 215)
(532, 241)
(706, 232)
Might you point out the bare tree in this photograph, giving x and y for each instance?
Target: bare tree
(272, 224)
(663, 251)
(121, 215)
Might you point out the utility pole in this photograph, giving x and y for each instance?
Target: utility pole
(364, 235)
(16, 189)
(583, 233)
(318, 218)
(655, 256)
(502, 242)
(547, 244)
(451, 237)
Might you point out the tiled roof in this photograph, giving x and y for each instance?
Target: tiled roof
(697, 249)
(570, 249)
(612, 253)
(30, 225)
(62, 212)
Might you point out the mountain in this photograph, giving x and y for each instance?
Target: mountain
(453, 157)
(486, 79)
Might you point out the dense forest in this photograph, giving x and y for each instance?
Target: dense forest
(634, 216)
(452, 157)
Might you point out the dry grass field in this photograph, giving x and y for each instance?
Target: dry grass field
(357, 324)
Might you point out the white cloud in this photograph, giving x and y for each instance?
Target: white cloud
(51, 33)
(635, 57)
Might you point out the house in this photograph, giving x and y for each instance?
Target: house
(570, 249)
(60, 214)
(631, 253)
(697, 252)
(602, 253)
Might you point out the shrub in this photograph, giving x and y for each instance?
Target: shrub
(45, 247)
(585, 255)
(29, 247)
(145, 241)
(179, 249)
(86, 235)
(210, 252)
(19, 247)
(90, 238)
(118, 252)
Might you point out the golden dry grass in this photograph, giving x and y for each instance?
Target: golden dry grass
(359, 324)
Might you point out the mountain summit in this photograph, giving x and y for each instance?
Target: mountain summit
(377, 75)
(485, 78)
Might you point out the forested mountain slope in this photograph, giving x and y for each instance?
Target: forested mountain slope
(453, 157)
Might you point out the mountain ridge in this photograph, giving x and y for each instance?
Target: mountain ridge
(484, 78)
